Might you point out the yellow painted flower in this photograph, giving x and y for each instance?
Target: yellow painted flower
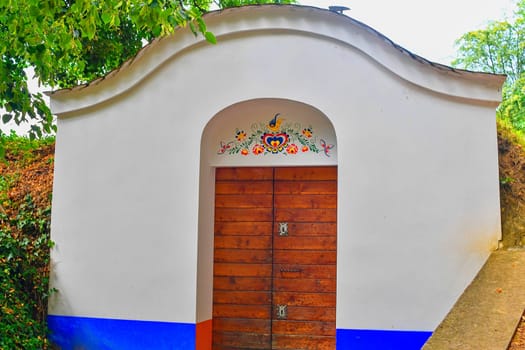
(240, 135)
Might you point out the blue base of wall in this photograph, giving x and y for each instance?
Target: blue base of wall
(359, 339)
(73, 333)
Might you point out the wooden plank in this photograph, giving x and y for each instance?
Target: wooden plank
(310, 187)
(242, 325)
(243, 340)
(243, 242)
(242, 298)
(317, 285)
(303, 215)
(254, 256)
(244, 201)
(280, 341)
(250, 214)
(247, 311)
(306, 173)
(301, 313)
(303, 327)
(304, 299)
(312, 257)
(224, 347)
(241, 283)
(243, 228)
(242, 270)
(309, 228)
(260, 173)
(305, 243)
(307, 271)
(306, 201)
(244, 187)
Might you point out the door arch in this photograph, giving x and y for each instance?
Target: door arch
(310, 141)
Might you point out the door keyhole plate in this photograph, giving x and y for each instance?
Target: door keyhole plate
(282, 312)
(283, 229)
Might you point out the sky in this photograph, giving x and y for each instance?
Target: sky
(426, 28)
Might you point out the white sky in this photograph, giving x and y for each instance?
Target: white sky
(426, 28)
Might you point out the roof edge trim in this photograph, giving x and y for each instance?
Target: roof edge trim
(483, 87)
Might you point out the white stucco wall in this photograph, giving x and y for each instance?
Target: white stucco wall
(418, 202)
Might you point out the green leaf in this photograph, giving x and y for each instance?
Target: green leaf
(202, 25)
(106, 17)
(210, 37)
(156, 30)
(193, 29)
(116, 21)
(6, 118)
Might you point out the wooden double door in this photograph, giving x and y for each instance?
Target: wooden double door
(274, 284)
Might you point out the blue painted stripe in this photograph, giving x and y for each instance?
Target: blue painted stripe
(71, 333)
(361, 339)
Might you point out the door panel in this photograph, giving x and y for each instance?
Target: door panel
(243, 258)
(304, 268)
(259, 269)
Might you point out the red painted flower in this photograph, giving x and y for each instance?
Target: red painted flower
(305, 149)
(292, 149)
(244, 152)
(258, 149)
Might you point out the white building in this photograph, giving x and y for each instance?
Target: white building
(356, 193)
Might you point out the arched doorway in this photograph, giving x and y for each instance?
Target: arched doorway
(267, 246)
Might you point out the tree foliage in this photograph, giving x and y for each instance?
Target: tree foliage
(69, 42)
(500, 48)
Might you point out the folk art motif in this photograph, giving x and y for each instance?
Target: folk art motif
(275, 137)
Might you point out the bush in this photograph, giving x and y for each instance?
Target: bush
(24, 244)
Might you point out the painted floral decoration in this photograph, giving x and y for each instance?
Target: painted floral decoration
(274, 137)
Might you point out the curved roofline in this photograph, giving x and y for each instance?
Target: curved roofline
(260, 19)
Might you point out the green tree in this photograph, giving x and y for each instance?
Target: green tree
(69, 42)
(500, 48)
